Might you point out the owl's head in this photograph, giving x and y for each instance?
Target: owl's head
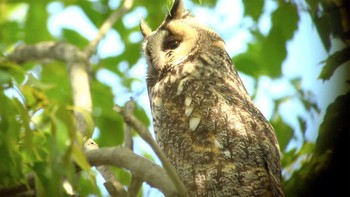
(179, 39)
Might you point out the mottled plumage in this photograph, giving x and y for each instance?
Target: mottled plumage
(204, 119)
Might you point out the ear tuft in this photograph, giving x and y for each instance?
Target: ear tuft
(145, 29)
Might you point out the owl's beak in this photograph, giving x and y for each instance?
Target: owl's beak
(145, 29)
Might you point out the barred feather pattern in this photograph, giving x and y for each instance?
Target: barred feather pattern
(204, 119)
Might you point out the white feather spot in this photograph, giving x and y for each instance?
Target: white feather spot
(188, 101)
(188, 111)
(217, 143)
(227, 153)
(173, 78)
(157, 102)
(194, 122)
(180, 87)
(158, 87)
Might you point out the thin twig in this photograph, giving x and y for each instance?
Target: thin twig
(146, 135)
(128, 141)
(136, 182)
(135, 186)
(106, 26)
(114, 188)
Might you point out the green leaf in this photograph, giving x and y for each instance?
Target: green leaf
(250, 62)
(169, 4)
(111, 63)
(9, 34)
(266, 54)
(333, 62)
(9, 71)
(5, 77)
(94, 10)
(110, 124)
(75, 38)
(55, 74)
(32, 81)
(66, 117)
(87, 184)
(285, 18)
(274, 48)
(142, 116)
(307, 148)
(283, 131)
(334, 130)
(80, 158)
(289, 157)
(253, 9)
(36, 23)
(11, 169)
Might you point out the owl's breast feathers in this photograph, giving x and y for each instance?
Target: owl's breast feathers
(214, 135)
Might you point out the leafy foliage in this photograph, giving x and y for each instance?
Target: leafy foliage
(269, 51)
(37, 127)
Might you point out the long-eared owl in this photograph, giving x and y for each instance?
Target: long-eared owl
(204, 119)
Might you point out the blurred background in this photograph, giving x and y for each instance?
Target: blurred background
(293, 57)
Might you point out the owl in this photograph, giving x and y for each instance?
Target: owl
(205, 121)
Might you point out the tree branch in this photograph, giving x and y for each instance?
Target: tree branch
(123, 157)
(130, 119)
(113, 186)
(136, 182)
(22, 189)
(106, 26)
(128, 141)
(77, 63)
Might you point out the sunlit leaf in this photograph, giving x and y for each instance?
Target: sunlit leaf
(55, 74)
(9, 34)
(10, 71)
(32, 81)
(80, 158)
(35, 26)
(111, 63)
(87, 184)
(11, 160)
(274, 49)
(75, 38)
(253, 8)
(94, 15)
(307, 148)
(5, 77)
(110, 124)
(333, 62)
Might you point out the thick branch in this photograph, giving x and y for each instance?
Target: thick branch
(77, 63)
(123, 157)
(46, 50)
